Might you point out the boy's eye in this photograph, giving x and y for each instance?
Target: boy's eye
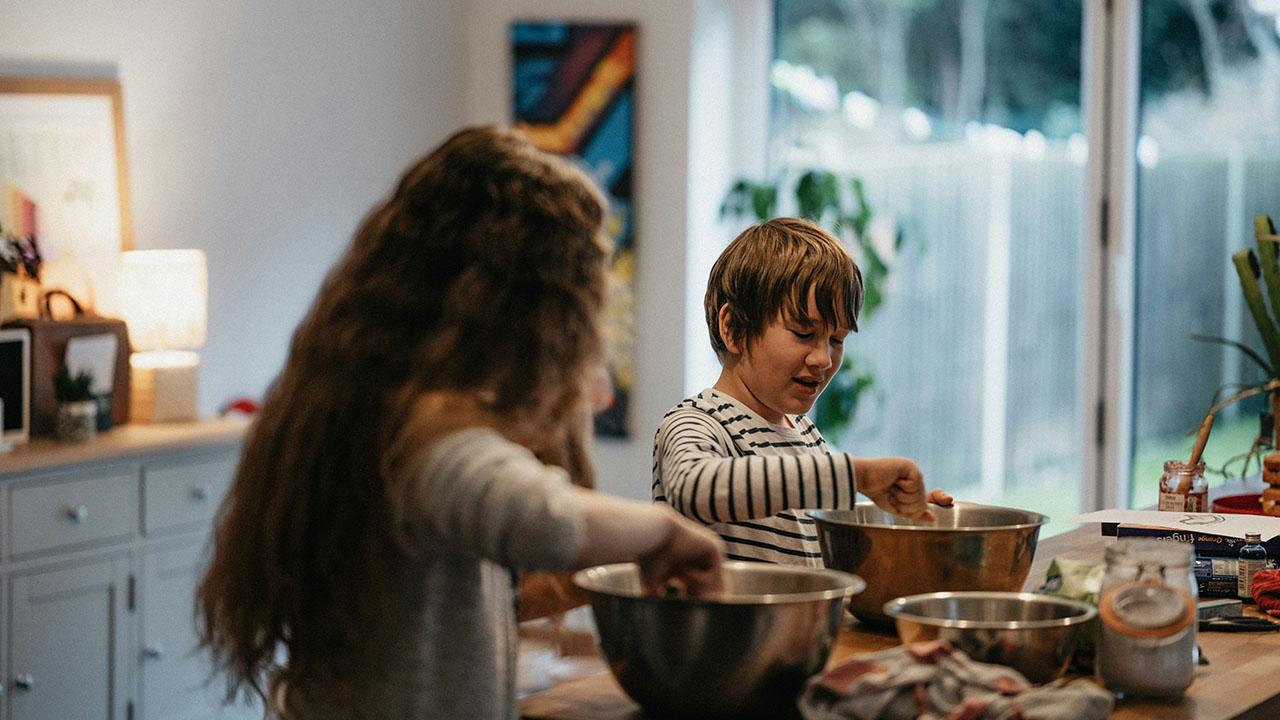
(802, 335)
(837, 340)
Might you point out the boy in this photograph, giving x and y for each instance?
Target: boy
(742, 456)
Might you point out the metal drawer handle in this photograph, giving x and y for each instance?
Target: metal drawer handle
(154, 651)
(78, 514)
(24, 681)
(200, 493)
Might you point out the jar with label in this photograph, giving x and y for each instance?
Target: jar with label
(1183, 487)
(1147, 608)
(1253, 557)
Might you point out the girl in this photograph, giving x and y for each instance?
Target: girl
(418, 448)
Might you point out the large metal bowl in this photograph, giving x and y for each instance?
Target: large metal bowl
(1033, 634)
(967, 547)
(745, 653)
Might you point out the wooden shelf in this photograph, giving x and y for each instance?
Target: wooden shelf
(121, 442)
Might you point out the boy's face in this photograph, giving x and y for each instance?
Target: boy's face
(784, 370)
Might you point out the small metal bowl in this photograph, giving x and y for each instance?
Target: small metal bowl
(742, 654)
(1033, 634)
(966, 547)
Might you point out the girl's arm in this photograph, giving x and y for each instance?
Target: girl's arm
(666, 546)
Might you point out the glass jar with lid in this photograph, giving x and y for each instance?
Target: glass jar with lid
(1147, 608)
(1183, 487)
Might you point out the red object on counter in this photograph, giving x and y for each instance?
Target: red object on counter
(1239, 504)
(1266, 591)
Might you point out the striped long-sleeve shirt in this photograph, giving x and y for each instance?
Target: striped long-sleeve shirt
(723, 465)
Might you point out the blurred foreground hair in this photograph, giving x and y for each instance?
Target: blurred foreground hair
(483, 274)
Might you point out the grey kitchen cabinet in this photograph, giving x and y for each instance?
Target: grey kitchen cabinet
(102, 547)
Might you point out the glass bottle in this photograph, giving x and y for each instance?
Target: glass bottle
(1183, 487)
(1147, 609)
(1253, 557)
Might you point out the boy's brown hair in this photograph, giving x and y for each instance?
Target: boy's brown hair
(770, 269)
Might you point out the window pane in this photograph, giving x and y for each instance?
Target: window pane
(963, 121)
(1208, 161)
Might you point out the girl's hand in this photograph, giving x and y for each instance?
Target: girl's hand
(688, 561)
(895, 485)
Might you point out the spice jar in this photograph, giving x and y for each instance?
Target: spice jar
(1147, 608)
(1183, 487)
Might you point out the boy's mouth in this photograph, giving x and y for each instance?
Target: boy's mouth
(811, 385)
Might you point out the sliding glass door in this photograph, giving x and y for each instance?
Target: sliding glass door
(1208, 161)
(963, 122)
(1058, 308)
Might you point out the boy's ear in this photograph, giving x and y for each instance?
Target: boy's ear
(727, 332)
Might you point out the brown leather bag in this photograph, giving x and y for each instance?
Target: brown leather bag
(48, 351)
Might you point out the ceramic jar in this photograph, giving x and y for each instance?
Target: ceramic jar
(1147, 608)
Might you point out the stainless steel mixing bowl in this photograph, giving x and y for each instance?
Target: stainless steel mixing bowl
(1033, 634)
(742, 654)
(967, 547)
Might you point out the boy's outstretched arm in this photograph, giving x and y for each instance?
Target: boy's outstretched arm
(695, 473)
(896, 485)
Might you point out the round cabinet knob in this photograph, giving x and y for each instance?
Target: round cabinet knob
(78, 514)
(24, 681)
(200, 492)
(154, 651)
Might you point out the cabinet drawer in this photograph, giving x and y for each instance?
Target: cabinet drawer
(72, 510)
(185, 494)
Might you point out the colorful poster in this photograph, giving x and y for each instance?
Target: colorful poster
(574, 91)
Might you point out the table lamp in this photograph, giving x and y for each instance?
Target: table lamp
(164, 301)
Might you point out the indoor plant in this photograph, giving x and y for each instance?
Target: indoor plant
(77, 417)
(1256, 270)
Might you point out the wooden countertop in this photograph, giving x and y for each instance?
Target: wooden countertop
(1242, 678)
(120, 442)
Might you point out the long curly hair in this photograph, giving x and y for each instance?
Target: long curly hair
(482, 273)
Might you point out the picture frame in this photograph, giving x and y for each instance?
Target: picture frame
(64, 178)
(15, 385)
(574, 94)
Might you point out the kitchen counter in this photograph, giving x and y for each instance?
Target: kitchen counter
(1240, 680)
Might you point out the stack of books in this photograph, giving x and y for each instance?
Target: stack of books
(1215, 539)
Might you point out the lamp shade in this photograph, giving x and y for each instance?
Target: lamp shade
(164, 298)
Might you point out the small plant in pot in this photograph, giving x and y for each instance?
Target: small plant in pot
(77, 418)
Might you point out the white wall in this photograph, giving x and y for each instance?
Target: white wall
(261, 132)
(257, 131)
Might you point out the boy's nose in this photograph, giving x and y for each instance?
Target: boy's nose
(820, 357)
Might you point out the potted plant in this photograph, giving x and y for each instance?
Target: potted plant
(838, 203)
(1256, 270)
(77, 416)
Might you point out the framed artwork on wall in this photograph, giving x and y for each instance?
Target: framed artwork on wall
(64, 179)
(574, 95)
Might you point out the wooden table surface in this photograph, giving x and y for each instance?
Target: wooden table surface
(1241, 680)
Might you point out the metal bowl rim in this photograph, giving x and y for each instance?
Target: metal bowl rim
(1085, 611)
(851, 585)
(823, 516)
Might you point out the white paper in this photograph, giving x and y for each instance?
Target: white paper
(95, 354)
(1229, 524)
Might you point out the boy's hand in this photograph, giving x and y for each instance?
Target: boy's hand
(938, 496)
(895, 485)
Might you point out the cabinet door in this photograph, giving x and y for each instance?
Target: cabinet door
(174, 677)
(68, 633)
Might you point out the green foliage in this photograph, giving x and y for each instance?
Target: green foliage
(838, 203)
(1255, 270)
(72, 388)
